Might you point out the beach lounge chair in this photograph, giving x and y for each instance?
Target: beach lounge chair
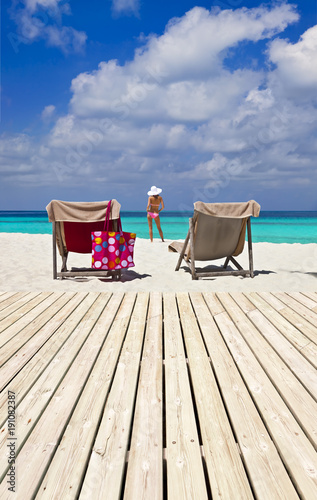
(217, 230)
(73, 223)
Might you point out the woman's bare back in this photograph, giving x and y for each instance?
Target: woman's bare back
(154, 203)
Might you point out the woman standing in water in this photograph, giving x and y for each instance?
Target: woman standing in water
(153, 210)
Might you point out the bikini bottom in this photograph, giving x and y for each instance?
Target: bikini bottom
(153, 215)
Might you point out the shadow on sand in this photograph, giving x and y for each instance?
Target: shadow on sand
(211, 268)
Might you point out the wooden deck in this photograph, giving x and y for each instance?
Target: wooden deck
(159, 396)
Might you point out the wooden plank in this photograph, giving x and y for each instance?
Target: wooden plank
(70, 317)
(299, 308)
(57, 300)
(220, 447)
(67, 469)
(185, 474)
(296, 319)
(283, 364)
(8, 299)
(33, 458)
(145, 466)
(295, 337)
(70, 424)
(222, 273)
(214, 304)
(12, 312)
(244, 303)
(305, 299)
(313, 297)
(87, 272)
(301, 367)
(310, 353)
(20, 349)
(24, 315)
(38, 397)
(106, 467)
(265, 469)
(296, 451)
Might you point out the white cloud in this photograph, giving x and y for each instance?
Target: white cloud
(296, 63)
(126, 6)
(177, 111)
(42, 19)
(187, 59)
(16, 159)
(48, 112)
(260, 99)
(15, 146)
(195, 44)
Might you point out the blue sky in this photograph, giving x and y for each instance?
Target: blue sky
(209, 100)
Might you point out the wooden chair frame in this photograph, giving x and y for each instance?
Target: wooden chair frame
(197, 275)
(74, 272)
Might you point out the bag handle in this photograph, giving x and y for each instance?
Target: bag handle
(107, 221)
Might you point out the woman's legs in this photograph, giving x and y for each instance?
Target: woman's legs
(158, 225)
(149, 219)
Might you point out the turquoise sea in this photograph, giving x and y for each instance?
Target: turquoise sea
(272, 227)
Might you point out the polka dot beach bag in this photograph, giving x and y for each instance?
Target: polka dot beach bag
(112, 250)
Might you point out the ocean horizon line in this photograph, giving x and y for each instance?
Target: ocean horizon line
(164, 211)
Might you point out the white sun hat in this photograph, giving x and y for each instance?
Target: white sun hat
(154, 191)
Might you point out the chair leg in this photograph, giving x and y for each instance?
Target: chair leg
(192, 255)
(181, 255)
(250, 248)
(64, 266)
(226, 263)
(236, 263)
(54, 252)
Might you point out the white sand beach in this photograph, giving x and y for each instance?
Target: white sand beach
(26, 264)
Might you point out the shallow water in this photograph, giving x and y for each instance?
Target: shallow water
(272, 227)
